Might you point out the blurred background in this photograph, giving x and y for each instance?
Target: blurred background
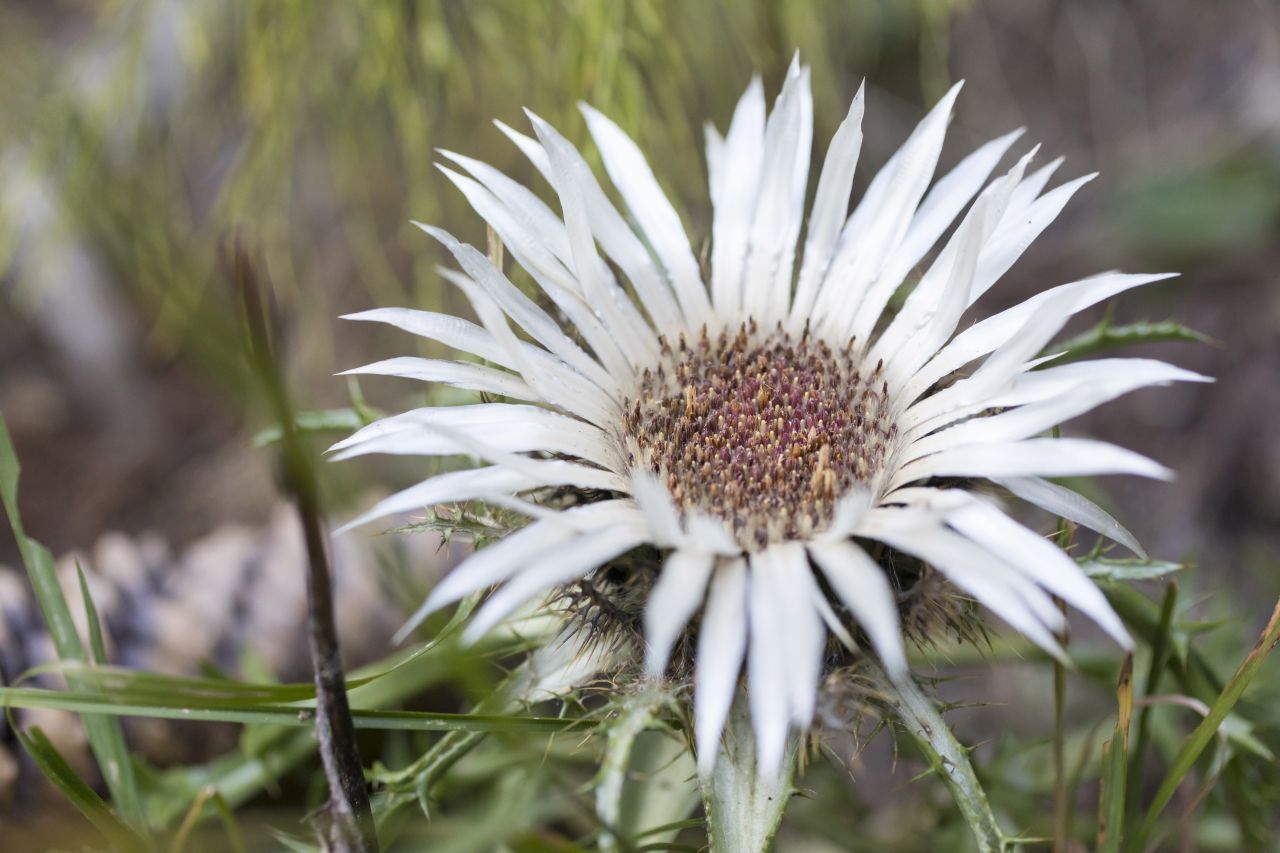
(135, 136)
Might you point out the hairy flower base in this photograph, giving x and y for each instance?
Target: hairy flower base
(763, 431)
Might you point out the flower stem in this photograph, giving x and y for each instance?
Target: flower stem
(744, 808)
(948, 757)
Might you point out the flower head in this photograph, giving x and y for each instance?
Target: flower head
(764, 427)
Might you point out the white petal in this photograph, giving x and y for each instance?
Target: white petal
(477, 482)
(1030, 189)
(804, 638)
(1062, 397)
(779, 208)
(1010, 242)
(947, 198)
(674, 599)
(659, 508)
(722, 639)
(658, 220)
(554, 381)
(933, 309)
(489, 566)
(1044, 457)
(547, 270)
(853, 289)
(449, 330)
(973, 569)
(572, 559)
(571, 177)
(994, 331)
(863, 588)
(614, 234)
(538, 220)
(830, 208)
(768, 681)
(522, 309)
(1072, 506)
(528, 146)
(1043, 562)
(735, 184)
(510, 428)
(459, 374)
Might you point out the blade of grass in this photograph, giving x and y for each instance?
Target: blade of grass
(1115, 753)
(80, 795)
(106, 738)
(1205, 732)
(281, 715)
(1159, 658)
(208, 794)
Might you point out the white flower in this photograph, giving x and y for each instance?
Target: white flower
(760, 426)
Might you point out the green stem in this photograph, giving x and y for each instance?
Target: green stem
(744, 808)
(947, 756)
(637, 713)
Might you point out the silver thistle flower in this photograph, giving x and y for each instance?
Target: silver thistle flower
(761, 428)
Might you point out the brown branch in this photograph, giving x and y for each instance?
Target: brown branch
(346, 824)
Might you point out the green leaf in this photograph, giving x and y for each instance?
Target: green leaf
(85, 799)
(1115, 754)
(106, 738)
(328, 420)
(1105, 336)
(1128, 570)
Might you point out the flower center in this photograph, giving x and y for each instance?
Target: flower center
(763, 431)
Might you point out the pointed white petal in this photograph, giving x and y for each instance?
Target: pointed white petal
(993, 332)
(459, 374)
(571, 560)
(995, 584)
(528, 146)
(1040, 560)
(767, 664)
(658, 220)
(675, 598)
(614, 234)
(853, 290)
(1010, 242)
(489, 566)
(507, 427)
(449, 330)
(1060, 394)
(477, 482)
(1044, 457)
(830, 208)
(1063, 502)
(735, 185)
(571, 178)
(863, 588)
(554, 381)
(779, 208)
(547, 270)
(1030, 189)
(522, 309)
(947, 198)
(722, 639)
